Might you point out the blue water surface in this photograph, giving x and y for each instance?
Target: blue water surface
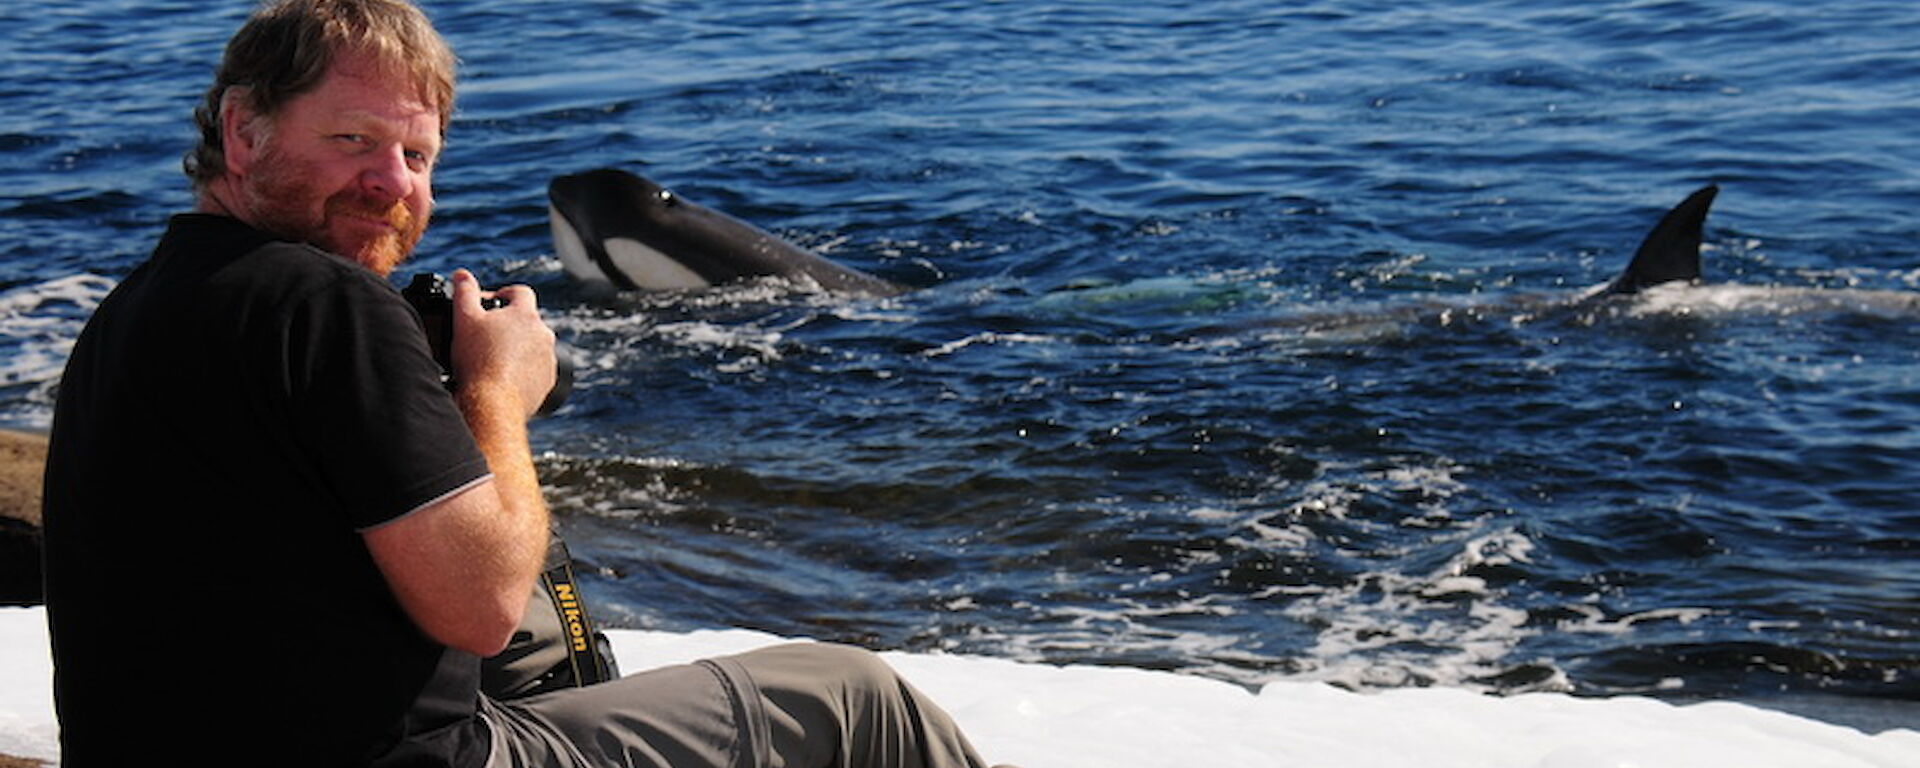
(1243, 339)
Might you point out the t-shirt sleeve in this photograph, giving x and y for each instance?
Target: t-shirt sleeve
(385, 436)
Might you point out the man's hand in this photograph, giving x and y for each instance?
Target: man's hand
(509, 348)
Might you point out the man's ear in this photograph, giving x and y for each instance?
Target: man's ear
(240, 132)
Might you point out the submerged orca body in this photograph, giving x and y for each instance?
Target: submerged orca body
(1669, 253)
(1668, 258)
(614, 228)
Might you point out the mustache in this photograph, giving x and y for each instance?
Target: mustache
(395, 214)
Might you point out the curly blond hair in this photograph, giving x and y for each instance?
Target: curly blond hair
(286, 47)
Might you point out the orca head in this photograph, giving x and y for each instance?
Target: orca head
(606, 225)
(1671, 251)
(614, 228)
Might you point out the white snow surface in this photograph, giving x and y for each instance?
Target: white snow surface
(1042, 716)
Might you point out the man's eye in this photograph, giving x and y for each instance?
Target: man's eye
(350, 138)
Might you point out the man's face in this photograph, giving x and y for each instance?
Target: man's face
(347, 166)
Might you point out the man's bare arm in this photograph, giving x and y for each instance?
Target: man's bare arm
(463, 567)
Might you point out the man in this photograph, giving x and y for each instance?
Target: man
(274, 538)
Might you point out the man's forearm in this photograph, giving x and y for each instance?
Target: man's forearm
(494, 416)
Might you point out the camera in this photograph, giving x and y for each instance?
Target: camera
(429, 296)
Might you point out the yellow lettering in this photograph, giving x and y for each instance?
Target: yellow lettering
(570, 614)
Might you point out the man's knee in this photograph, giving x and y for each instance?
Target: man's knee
(825, 700)
(846, 672)
(864, 673)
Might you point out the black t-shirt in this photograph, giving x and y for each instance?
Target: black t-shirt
(235, 414)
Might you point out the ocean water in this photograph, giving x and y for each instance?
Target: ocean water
(1245, 337)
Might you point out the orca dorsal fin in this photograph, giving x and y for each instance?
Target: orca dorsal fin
(1672, 250)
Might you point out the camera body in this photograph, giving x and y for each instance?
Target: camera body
(430, 298)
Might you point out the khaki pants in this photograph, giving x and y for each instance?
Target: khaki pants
(804, 705)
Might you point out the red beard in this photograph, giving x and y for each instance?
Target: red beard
(280, 198)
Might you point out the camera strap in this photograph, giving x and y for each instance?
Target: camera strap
(577, 630)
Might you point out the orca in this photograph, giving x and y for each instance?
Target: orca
(617, 229)
(1671, 250)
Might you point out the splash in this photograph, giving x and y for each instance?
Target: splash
(38, 326)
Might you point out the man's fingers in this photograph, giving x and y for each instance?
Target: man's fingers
(466, 291)
(518, 295)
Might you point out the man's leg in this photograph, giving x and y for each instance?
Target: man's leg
(804, 705)
(836, 705)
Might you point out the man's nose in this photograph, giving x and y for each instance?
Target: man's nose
(386, 175)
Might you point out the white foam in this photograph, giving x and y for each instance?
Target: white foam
(40, 323)
(748, 347)
(988, 338)
(1728, 299)
(1391, 629)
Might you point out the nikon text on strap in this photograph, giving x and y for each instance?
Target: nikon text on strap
(582, 651)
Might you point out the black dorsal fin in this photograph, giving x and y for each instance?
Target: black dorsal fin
(1672, 250)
